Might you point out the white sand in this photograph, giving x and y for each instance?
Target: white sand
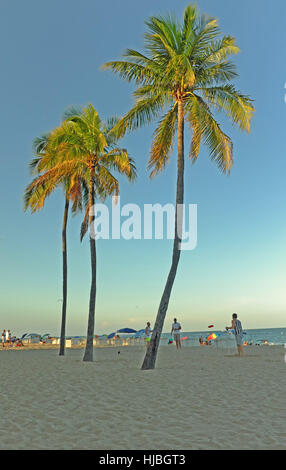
(195, 399)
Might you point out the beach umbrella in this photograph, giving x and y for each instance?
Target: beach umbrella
(185, 337)
(210, 326)
(46, 334)
(126, 330)
(111, 336)
(23, 336)
(212, 336)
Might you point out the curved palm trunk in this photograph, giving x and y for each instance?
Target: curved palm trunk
(88, 355)
(64, 305)
(151, 353)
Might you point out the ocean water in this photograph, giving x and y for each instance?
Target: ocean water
(276, 336)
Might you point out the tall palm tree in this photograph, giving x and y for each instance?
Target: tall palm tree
(186, 74)
(87, 147)
(35, 197)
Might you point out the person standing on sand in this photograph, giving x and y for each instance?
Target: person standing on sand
(8, 337)
(147, 334)
(3, 338)
(238, 333)
(176, 330)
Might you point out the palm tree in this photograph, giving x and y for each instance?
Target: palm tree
(35, 197)
(184, 73)
(87, 147)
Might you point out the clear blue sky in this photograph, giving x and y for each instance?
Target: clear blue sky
(50, 58)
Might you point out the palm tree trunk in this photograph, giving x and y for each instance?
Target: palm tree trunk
(88, 355)
(151, 353)
(64, 304)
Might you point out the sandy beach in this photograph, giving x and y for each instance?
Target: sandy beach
(197, 398)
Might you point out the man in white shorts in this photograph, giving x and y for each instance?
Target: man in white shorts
(176, 331)
(7, 337)
(238, 333)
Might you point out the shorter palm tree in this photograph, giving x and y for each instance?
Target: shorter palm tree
(87, 147)
(38, 191)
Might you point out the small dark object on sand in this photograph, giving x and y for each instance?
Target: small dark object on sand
(118, 352)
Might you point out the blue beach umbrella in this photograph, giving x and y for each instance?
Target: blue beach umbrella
(111, 336)
(126, 330)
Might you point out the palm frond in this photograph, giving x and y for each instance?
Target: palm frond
(40, 143)
(75, 193)
(141, 114)
(237, 106)
(219, 50)
(163, 142)
(106, 182)
(205, 127)
(216, 74)
(190, 16)
(71, 112)
(37, 192)
(205, 31)
(163, 37)
(130, 71)
(119, 160)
